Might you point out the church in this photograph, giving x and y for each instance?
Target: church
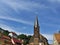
(37, 38)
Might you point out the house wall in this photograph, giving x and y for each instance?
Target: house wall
(55, 41)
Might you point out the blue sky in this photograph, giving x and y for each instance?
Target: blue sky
(19, 15)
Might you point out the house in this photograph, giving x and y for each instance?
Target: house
(13, 34)
(14, 39)
(56, 39)
(7, 40)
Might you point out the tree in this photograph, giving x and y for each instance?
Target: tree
(22, 36)
(6, 32)
(25, 38)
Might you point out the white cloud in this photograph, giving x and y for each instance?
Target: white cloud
(48, 36)
(3, 26)
(6, 27)
(17, 20)
(23, 5)
(18, 33)
(11, 29)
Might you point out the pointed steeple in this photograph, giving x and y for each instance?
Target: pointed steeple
(36, 28)
(36, 22)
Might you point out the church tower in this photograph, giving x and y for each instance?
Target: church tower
(37, 38)
(36, 32)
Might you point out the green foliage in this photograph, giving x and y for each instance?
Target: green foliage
(6, 32)
(1, 30)
(22, 36)
(25, 38)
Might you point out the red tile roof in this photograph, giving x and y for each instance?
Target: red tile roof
(16, 40)
(5, 37)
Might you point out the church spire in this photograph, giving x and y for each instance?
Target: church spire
(36, 22)
(36, 28)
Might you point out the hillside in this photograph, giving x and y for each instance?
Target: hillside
(20, 36)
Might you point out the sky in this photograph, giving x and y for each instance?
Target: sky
(19, 16)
